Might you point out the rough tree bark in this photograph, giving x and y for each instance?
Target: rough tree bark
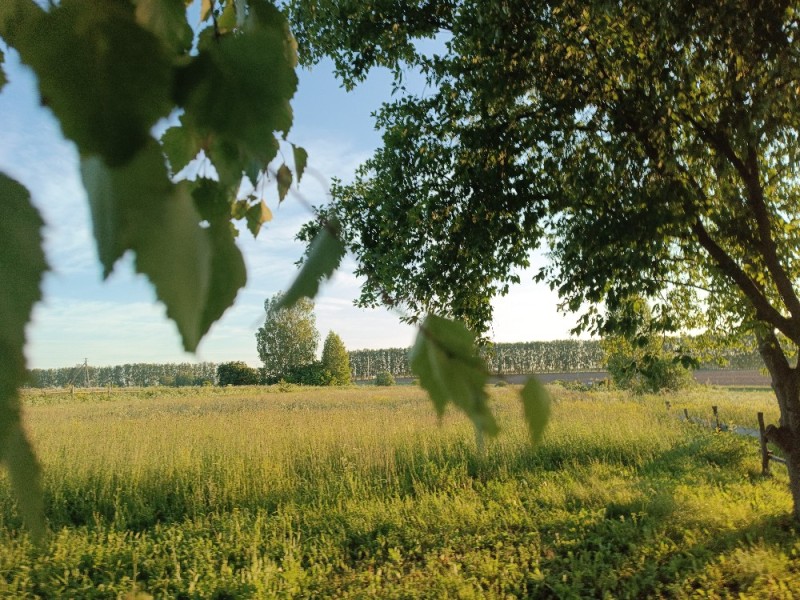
(786, 384)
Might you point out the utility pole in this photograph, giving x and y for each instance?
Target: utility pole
(86, 371)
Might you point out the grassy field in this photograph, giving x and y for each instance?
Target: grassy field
(361, 493)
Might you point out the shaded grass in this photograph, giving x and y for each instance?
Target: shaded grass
(361, 493)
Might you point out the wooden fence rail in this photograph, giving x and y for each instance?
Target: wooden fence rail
(766, 454)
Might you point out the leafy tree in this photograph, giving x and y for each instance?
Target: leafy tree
(313, 373)
(237, 373)
(365, 363)
(185, 377)
(646, 372)
(109, 71)
(336, 359)
(646, 361)
(384, 378)
(653, 145)
(288, 339)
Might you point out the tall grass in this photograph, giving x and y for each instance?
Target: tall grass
(363, 493)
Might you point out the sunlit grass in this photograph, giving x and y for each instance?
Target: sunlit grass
(362, 492)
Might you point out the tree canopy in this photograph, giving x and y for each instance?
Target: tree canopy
(336, 360)
(652, 145)
(647, 361)
(236, 373)
(288, 339)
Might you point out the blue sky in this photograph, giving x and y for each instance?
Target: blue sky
(119, 320)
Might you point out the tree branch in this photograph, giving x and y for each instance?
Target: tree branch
(682, 284)
(749, 172)
(764, 310)
(755, 198)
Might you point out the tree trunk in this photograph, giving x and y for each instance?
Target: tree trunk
(786, 384)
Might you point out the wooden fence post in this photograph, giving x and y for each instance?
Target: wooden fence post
(686, 413)
(668, 405)
(763, 441)
(716, 417)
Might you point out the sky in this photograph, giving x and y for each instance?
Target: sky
(119, 320)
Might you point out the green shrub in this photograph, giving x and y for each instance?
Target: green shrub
(648, 374)
(285, 387)
(311, 374)
(384, 378)
(237, 373)
(640, 357)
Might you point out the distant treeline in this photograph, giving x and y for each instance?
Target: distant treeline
(557, 356)
(546, 357)
(503, 358)
(735, 360)
(132, 375)
(506, 359)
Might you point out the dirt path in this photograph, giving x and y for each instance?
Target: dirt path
(712, 377)
(750, 378)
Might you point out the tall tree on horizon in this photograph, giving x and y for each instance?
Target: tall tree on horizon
(336, 359)
(289, 337)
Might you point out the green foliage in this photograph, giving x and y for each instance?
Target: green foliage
(3, 79)
(22, 265)
(167, 20)
(88, 64)
(314, 373)
(284, 179)
(518, 358)
(137, 207)
(300, 161)
(109, 72)
(627, 159)
(544, 357)
(322, 258)
(336, 360)
(445, 360)
(288, 339)
(186, 376)
(536, 407)
(122, 376)
(237, 373)
(644, 360)
(646, 373)
(384, 379)
(364, 364)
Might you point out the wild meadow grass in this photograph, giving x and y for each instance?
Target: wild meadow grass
(363, 493)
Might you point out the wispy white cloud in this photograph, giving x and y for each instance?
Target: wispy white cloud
(105, 332)
(329, 159)
(34, 152)
(120, 321)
